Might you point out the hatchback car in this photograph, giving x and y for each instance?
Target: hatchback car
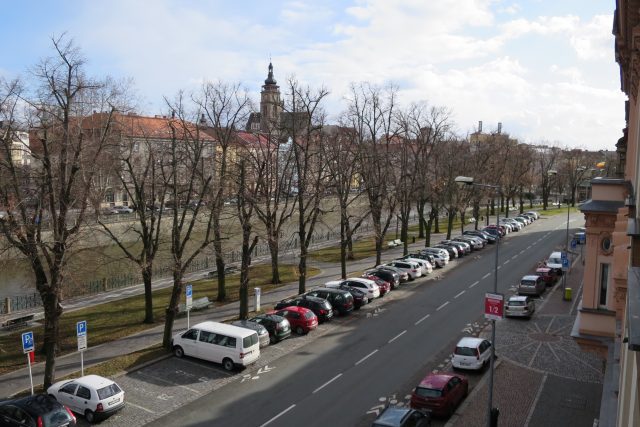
(321, 307)
(427, 267)
(395, 416)
(263, 334)
(302, 320)
(93, 396)
(385, 287)
(366, 285)
(440, 393)
(413, 270)
(278, 327)
(555, 262)
(340, 299)
(547, 274)
(39, 410)
(531, 285)
(471, 353)
(387, 275)
(359, 296)
(404, 276)
(519, 306)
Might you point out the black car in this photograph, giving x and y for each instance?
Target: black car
(385, 274)
(341, 300)
(482, 234)
(396, 416)
(404, 276)
(321, 307)
(39, 410)
(464, 248)
(278, 327)
(425, 256)
(359, 297)
(452, 249)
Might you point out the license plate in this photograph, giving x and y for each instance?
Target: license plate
(113, 402)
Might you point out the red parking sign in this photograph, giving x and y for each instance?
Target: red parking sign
(493, 306)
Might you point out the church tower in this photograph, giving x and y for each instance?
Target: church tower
(270, 103)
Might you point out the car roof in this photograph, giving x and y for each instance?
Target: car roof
(248, 324)
(530, 277)
(555, 255)
(301, 310)
(543, 269)
(270, 316)
(93, 381)
(469, 342)
(222, 328)
(436, 381)
(392, 416)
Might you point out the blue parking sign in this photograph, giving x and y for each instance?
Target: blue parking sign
(189, 290)
(81, 328)
(573, 244)
(27, 342)
(565, 263)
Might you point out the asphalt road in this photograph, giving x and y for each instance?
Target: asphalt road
(338, 378)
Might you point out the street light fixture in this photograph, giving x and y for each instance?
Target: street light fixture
(467, 180)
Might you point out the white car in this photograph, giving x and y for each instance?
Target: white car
(471, 353)
(427, 268)
(93, 396)
(413, 270)
(369, 287)
(534, 213)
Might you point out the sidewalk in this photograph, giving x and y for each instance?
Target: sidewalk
(542, 378)
(16, 381)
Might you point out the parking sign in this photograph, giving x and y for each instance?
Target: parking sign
(493, 306)
(81, 328)
(27, 342)
(189, 303)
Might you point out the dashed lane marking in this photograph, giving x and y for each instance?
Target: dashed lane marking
(327, 383)
(486, 275)
(397, 336)
(366, 357)
(422, 319)
(506, 262)
(473, 284)
(279, 415)
(462, 292)
(442, 306)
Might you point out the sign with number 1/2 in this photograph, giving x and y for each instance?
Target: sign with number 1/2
(493, 306)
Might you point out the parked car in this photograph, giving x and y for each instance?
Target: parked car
(404, 276)
(340, 299)
(453, 250)
(423, 255)
(547, 274)
(523, 221)
(489, 238)
(278, 327)
(440, 393)
(427, 267)
(501, 230)
(263, 334)
(390, 276)
(395, 416)
(39, 410)
(464, 248)
(359, 296)
(534, 213)
(474, 242)
(385, 287)
(122, 209)
(440, 255)
(366, 285)
(471, 353)
(493, 231)
(519, 306)
(531, 285)
(302, 320)
(321, 307)
(554, 262)
(93, 396)
(413, 270)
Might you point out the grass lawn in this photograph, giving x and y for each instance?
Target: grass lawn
(112, 320)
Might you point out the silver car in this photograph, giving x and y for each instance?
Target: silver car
(532, 285)
(519, 306)
(263, 334)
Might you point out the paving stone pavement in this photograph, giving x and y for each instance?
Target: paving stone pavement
(542, 378)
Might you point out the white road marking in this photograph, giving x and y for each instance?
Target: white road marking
(529, 247)
(140, 407)
(459, 294)
(515, 256)
(486, 275)
(506, 262)
(279, 415)
(424, 318)
(473, 284)
(366, 357)
(327, 383)
(442, 306)
(168, 382)
(397, 336)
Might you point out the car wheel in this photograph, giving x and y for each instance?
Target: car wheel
(228, 364)
(178, 351)
(272, 339)
(89, 415)
(299, 330)
(53, 397)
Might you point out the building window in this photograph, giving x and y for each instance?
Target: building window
(109, 197)
(604, 285)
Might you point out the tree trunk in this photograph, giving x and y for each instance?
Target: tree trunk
(506, 214)
(52, 311)
(274, 250)
(172, 308)
(244, 275)
(302, 269)
(421, 220)
(343, 248)
(450, 216)
(147, 274)
(427, 238)
(462, 218)
(436, 223)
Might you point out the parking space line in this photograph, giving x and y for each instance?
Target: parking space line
(515, 256)
(424, 318)
(140, 407)
(168, 382)
(459, 294)
(366, 357)
(211, 368)
(506, 262)
(279, 415)
(486, 275)
(327, 383)
(442, 306)
(397, 336)
(473, 284)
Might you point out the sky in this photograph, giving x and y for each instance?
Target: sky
(544, 69)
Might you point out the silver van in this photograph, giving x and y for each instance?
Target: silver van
(219, 343)
(532, 285)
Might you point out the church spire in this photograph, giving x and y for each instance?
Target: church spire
(270, 80)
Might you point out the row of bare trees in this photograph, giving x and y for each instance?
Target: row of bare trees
(393, 159)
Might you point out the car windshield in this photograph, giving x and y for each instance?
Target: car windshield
(528, 283)
(428, 392)
(309, 315)
(108, 391)
(250, 340)
(466, 351)
(57, 417)
(516, 303)
(555, 261)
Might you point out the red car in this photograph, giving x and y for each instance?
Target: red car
(382, 284)
(440, 393)
(547, 274)
(302, 319)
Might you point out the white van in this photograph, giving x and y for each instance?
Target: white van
(554, 262)
(218, 342)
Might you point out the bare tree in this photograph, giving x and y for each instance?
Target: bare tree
(546, 160)
(64, 148)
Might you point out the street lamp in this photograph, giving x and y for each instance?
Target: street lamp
(467, 180)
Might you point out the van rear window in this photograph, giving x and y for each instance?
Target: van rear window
(249, 341)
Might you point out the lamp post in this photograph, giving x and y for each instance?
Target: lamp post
(462, 181)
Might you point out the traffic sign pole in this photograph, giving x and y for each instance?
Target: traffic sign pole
(28, 346)
(30, 375)
(81, 333)
(189, 301)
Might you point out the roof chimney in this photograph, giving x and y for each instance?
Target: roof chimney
(499, 128)
(203, 120)
(480, 126)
